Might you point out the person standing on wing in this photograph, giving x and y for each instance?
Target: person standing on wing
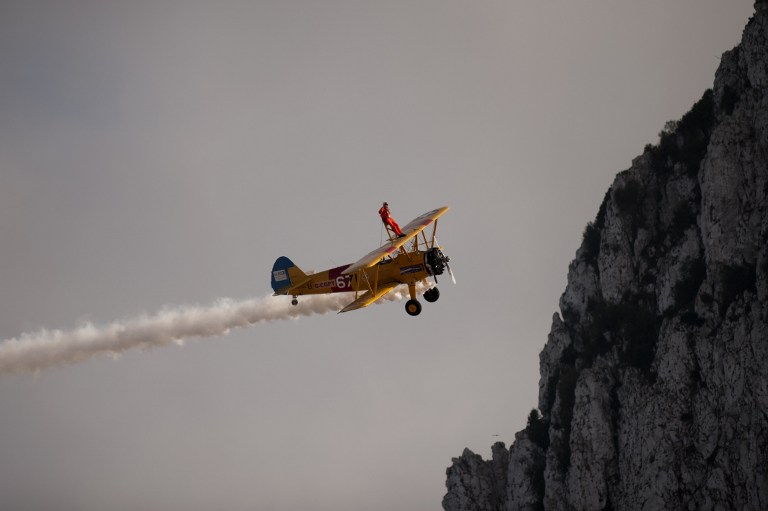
(386, 217)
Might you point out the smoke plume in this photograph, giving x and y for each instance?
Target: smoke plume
(32, 352)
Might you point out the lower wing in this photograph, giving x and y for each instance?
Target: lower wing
(368, 297)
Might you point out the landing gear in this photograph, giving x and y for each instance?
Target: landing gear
(295, 301)
(431, 295)
(413, 307)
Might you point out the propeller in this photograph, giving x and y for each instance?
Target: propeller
(447, 266)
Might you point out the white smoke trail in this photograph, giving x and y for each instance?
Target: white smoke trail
(32, 352)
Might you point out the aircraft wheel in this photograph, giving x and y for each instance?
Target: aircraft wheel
(431, 295)
(413, 307)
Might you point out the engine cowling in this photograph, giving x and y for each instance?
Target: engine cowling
(435, 261)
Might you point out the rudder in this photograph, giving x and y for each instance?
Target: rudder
(285, 274)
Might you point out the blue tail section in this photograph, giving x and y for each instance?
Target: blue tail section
(281, 279)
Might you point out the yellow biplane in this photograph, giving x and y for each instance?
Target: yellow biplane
(407, 260)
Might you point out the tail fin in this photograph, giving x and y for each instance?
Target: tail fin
(285, 275)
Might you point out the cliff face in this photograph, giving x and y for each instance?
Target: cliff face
(654, 378)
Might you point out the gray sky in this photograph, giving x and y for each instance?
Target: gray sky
(161, 153)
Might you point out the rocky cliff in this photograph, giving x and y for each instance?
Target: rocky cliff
(654, 378)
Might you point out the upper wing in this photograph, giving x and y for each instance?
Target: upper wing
(413, 228)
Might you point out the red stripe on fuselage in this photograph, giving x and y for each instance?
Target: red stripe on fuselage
(340, 283)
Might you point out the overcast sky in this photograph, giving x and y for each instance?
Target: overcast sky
(164, 153)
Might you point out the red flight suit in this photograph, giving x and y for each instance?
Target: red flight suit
(386, 217)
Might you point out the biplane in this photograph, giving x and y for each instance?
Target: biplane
(405, 260)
